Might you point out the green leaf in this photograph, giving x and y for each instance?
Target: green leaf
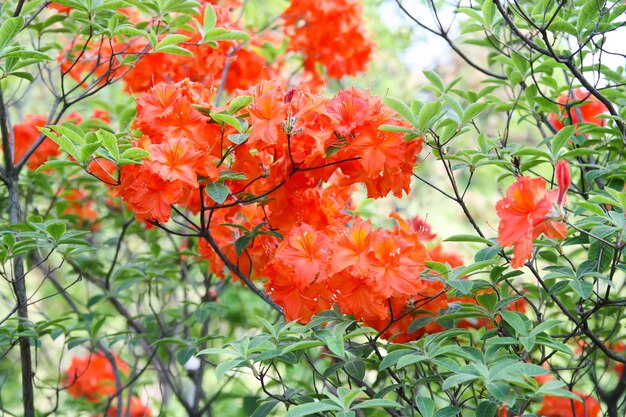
(457, 379)
(242, 243)
(472, 111)
(221, 34)
(427, 114)
(265, 408)
(355, 368)
(238, 138)
(175, 50)
(222, 118)
(587, 18)
(434, 79)
(210, 19)
(302, 345)
(545, 326)
(560, 139)
(183, 355)
(172, 39)
(217, 191)
(239, 103)
(376, 403)
(408, 360)
(468, 238)
(109, 141)
(56, 230)
(393, 357)
(401, 108)
(489, 300)
(449, 411)
(226, 366)
(425, 406)
(64, 143)
(486, 409)
(135, 154)
(582, 288)
(517, 323)
(312, 408)
(9, 29)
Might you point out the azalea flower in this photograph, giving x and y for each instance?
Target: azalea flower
(528, 210)
(585, 108)
(564, 407)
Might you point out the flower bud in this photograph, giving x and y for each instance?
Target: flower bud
(563, 179)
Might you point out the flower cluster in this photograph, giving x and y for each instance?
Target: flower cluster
(297, 141)
(529, 210)
(331, 33)
(92, 378)
(241, 64)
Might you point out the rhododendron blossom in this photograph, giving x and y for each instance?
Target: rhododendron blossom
(564, 407)
(584, 108)
(528, 210)
(93, 377)
(133, 408)
(331, 33)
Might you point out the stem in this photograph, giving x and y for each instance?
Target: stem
(19, 280)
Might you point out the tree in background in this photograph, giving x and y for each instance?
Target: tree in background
(202, 216)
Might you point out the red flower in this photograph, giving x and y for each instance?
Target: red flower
(564, 407)
(584, 108)
(136, 408)
(25, 134)
(92, 377)
(528, 210)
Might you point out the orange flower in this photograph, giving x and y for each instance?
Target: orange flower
(564, 407)
(307, 251)
(330, 32)
(528, 210)
(175, 160)
(351, 247)
(396, 264)
(92, 377)
(25, 134)
(584, 108)
(619, 347)
(136, 408)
